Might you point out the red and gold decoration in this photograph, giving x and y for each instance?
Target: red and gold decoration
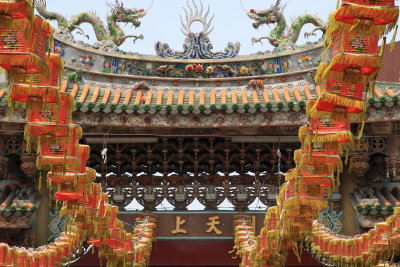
(352, 38)
(24, 46)
(35, 77)
(354, 63)
(12, 10)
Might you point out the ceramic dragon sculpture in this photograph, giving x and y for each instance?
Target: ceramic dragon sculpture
(280, 35)
(109, 37)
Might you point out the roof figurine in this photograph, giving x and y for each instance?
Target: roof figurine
(280, 37)
(108, 39)
(197, 45)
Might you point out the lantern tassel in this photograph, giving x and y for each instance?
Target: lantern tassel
(40, 182)
(28, 144)
(326, 50)
(360, 134)
(296, 251)
(393, 39)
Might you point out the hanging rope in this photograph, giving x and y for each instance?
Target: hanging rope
(104, 151)
(279, 155)
(104, 154)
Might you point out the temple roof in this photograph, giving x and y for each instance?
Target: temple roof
(371, 203)
(19, 205)
(96, 99)
(390, 71)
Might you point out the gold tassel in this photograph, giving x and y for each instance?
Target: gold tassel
(28, 144)
(347, 157)
(11, 105)
(356, 22)
(360, 134)
(371, 87)
(382, 48)
(393, 39)
(326, 50)
(40, 182)
(296, 251)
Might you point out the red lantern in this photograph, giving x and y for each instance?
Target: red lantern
(310, 178)
(59, 151)
(53, 121)
(10, 10)
(79, 178)
(377, 12)
(26, 53)
(388, 3)
(340, 87)
(338, 107)
(353, 66)
(4, 252)
(54, 114)
(271, 219)
(37, 91)
(354, 42)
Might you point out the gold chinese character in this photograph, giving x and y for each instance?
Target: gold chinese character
(212, 224)
(179, 222)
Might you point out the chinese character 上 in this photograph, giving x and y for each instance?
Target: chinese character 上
(179, 222)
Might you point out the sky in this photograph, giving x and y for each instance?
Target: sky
(162, 22)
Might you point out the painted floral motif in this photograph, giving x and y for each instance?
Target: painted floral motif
(115, 65)
(305, 58)
(189, 68)
(210, 69)
(56, 149)
(199, 68)
(207, 70)
(87, 62)
(10, 40)
(48, 115)
(58, 48)
(244, 70)
(358, 45)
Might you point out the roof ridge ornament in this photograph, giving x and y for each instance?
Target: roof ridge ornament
(109, 35)
(197, 16)
(197, 45)
(284, 36)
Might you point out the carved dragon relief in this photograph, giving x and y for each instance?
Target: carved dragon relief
(280, 35)
(197, 45)
(109, 37)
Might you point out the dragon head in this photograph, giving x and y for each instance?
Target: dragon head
(127, 15)
(266, 16)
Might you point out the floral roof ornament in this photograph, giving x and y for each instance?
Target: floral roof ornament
(197, 45)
